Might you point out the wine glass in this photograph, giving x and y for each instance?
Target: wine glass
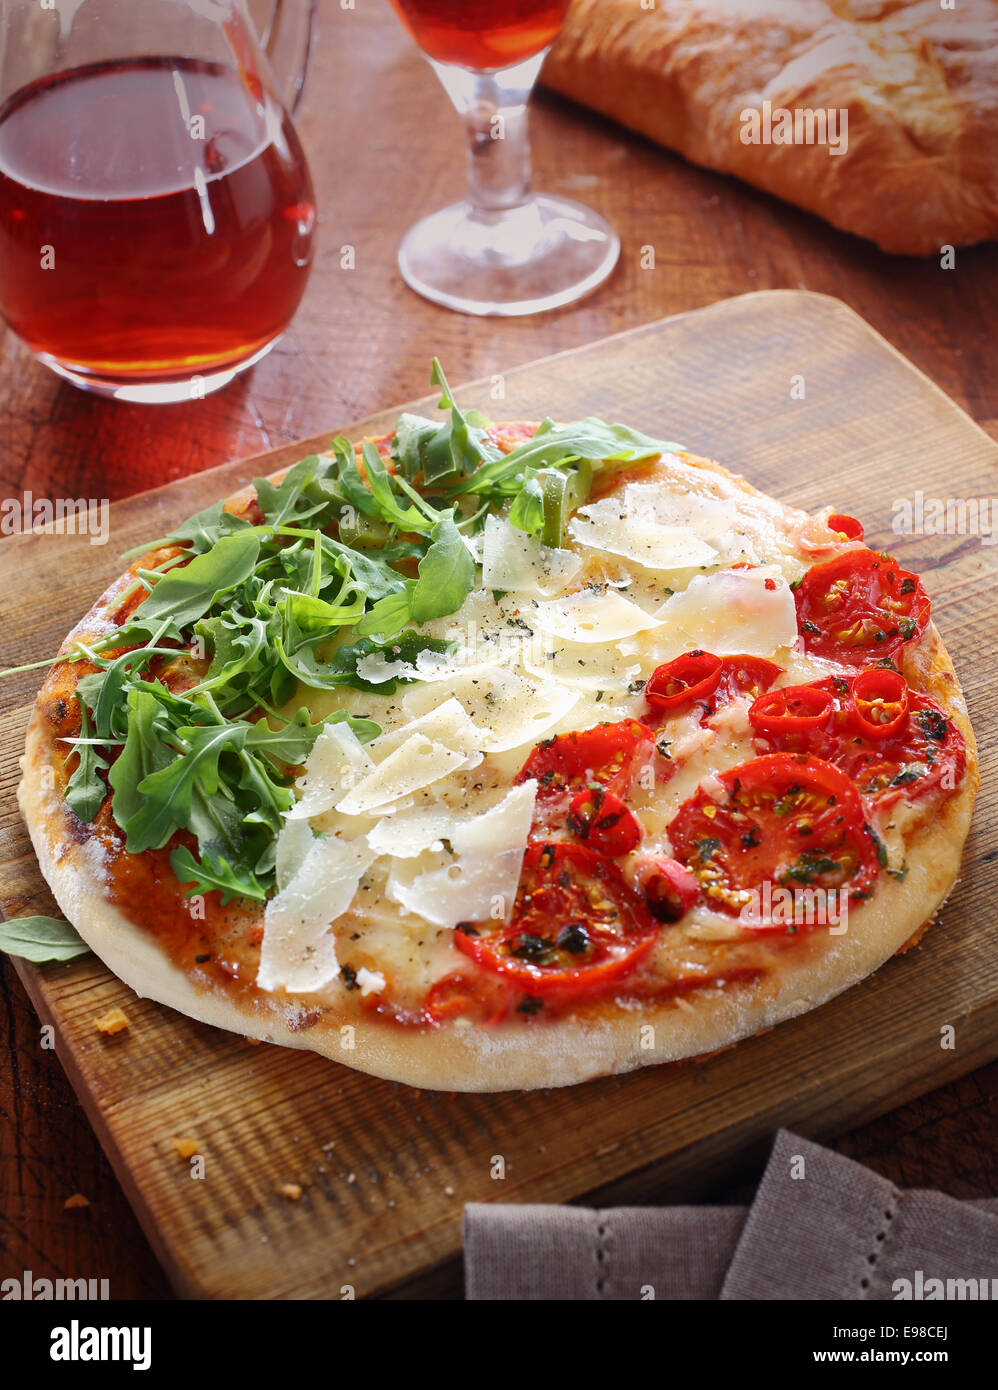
(505, 250)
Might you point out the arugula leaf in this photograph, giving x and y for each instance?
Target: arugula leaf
(292, 743)
(446, 576)
(168, 792)
(279, 502)
(214, 875)
(41, 939)
(145, 752)
(85, 791)
(184, 595)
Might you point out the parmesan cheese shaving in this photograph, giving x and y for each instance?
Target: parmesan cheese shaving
(336, 762)
(299, 951)
(480, 881)
(592, 617)
(518, 563)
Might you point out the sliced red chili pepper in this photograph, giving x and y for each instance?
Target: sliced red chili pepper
(847, 526)
(880, 703)
(604, 822)
(791, 709)
(670, 889)
(690, 677)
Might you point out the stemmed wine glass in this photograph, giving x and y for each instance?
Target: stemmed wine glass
(505, 250)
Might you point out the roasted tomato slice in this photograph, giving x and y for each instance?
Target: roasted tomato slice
(860, 607)
(603, 821)
(792, 820)
(577, 926)
(610, 756)
(682, 681)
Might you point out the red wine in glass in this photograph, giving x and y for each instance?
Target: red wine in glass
(505, 250)
(482, 34)
(156, 223)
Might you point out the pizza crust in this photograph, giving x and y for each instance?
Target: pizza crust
(518, 1055)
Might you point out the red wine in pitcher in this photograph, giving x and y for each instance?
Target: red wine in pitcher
(482, 34)
(156, 218)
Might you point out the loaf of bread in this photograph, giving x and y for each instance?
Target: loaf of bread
(908, 89)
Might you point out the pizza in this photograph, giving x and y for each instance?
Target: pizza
(493, 756)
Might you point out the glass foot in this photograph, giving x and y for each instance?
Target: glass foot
(168, 391)
(547, 252)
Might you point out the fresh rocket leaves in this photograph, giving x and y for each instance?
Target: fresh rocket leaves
(85, 790)
(446, 576)
(194, 720)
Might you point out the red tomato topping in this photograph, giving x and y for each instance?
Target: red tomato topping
(879, 703)
(791, 709)
(604, 822)
(482, 999)
(670, 889)
(690, 677)
(860, 607)
(787, 819)
(577, 927)
(611, 755)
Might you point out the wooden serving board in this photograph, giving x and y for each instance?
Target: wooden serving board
(384, 1169)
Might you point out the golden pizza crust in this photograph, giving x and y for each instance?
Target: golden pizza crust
(518, 1054)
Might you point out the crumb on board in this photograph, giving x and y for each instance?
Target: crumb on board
(448, 1191)
(77, 1200)
(291, 1190)
(185, 1146)
(114, 1021)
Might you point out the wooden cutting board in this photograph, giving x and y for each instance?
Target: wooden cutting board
(384, 1169)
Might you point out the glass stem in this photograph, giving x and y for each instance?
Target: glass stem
(493, 108)
(498, 149)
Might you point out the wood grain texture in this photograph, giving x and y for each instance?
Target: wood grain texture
(384, 1169)
(384, 147)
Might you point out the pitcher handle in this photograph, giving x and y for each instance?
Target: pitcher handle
(286, 29)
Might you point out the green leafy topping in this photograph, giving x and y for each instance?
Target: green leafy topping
(41, 939)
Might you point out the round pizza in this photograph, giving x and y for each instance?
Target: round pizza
(485, 757)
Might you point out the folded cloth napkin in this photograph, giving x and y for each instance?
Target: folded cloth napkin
(820, 1227)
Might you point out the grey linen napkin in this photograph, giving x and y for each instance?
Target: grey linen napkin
(820, 1227)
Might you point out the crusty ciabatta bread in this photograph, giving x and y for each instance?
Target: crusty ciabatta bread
(917, 170)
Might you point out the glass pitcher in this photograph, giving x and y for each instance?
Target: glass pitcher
(156, 210)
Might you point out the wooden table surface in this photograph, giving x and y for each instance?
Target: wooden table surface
(385, 147)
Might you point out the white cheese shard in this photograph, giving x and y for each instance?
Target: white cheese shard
(505, 709)
(370, 981)
(733, 612)
(442, 720)
(293, 843)
(337, 761)
(615, 527)
(409, 833)
(415, 764)
(518, 563)
(299, 951)
(591, 617)
(479, 882)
